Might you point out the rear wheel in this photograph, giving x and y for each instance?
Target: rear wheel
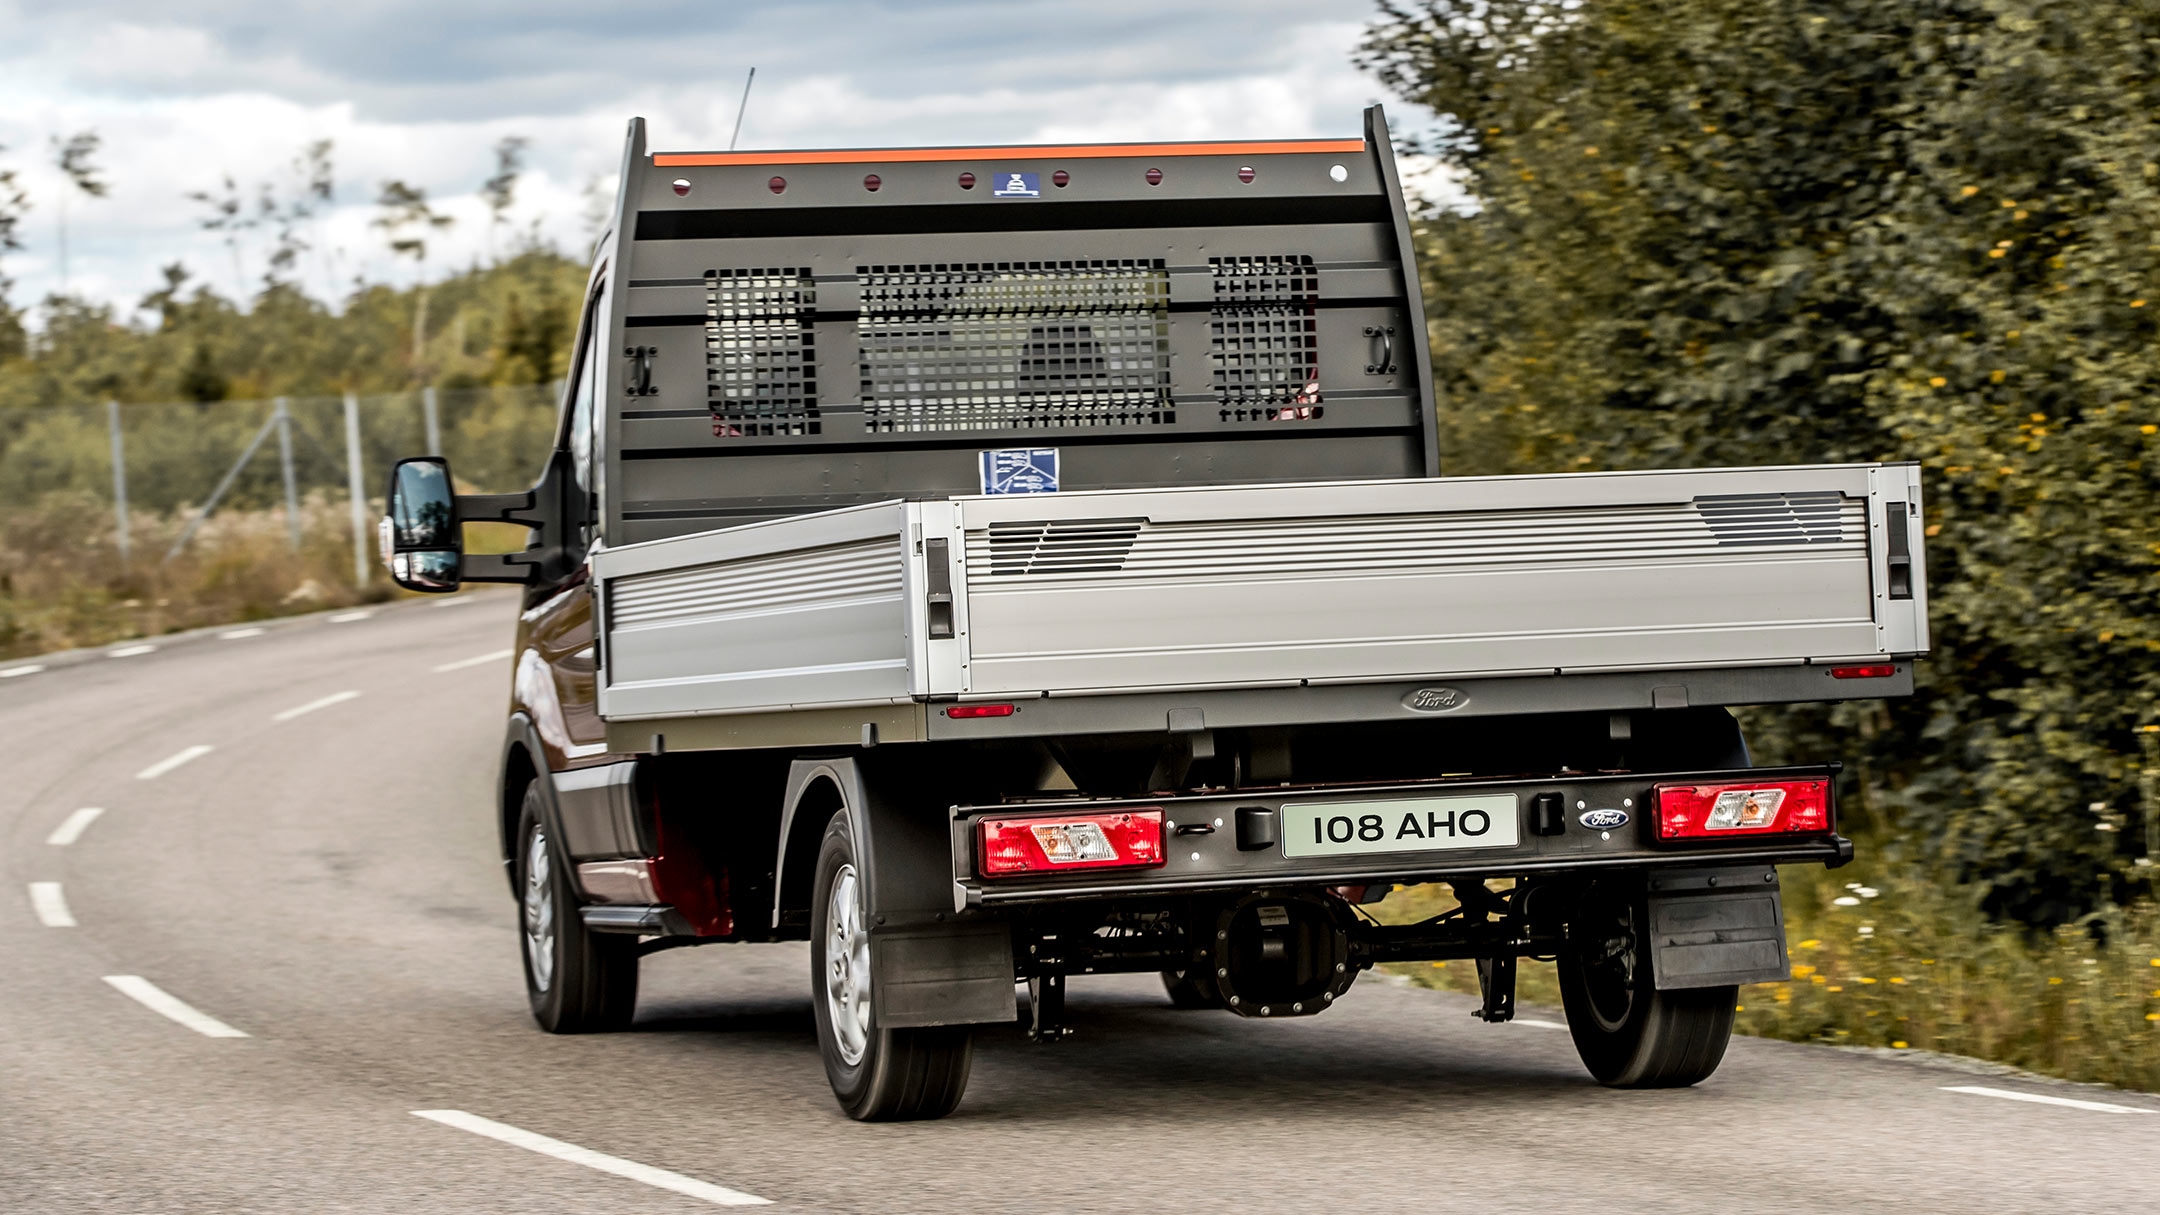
(1630, 1034)
(878, 1074)
(578, 982)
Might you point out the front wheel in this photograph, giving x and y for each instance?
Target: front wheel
(578, 982)
(1630, 1034)
(878, 1074)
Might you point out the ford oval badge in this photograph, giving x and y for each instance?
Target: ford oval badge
(1435, 700)
(1603, 820)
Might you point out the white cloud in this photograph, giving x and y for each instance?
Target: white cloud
(422, 91)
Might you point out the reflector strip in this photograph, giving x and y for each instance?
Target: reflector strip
(836, 156)
(1881, 671)
(979, 711)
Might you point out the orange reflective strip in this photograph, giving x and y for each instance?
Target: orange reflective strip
(1085, 151)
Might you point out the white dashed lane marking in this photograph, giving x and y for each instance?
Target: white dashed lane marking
(130, 651)
(462, 663)
(658, 1178)
(1534, 1023)
(50, 905)
(72, 827)
(159, 1001)
(238, 634)
(349, 617)
(335, 698)
(32, 669)
(167, 764)
(2006, 1094)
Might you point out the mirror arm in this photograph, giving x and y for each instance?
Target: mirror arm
(520, 508)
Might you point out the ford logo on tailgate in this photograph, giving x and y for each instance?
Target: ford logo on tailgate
(1435, 700)
(1603, 820)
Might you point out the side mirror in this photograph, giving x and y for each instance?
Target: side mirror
(421, 539)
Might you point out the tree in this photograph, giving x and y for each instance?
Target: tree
(72, 157)
(407, 219)
(500, 191)
(227, 216)
(14, 203)
(1781, 231)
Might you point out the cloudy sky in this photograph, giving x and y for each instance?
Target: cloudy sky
(186, 92)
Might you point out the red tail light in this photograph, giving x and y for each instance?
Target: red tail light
(1125, 840)
(979, 711)
(1876, 671)
(1781, 807)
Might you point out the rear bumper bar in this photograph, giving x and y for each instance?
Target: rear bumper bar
(1204, 855)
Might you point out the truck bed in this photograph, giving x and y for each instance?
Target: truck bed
(1408, 591)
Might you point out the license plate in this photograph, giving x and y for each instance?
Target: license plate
(1423, 824)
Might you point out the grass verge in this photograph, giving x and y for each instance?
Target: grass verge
(1883, 957)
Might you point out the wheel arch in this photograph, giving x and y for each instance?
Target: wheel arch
(522, 763)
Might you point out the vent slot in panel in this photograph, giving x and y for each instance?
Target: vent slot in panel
(760, 361)
(1352, 547)
(1264, 338)
(1788, 518)
(1074, 546)
(1015, 345)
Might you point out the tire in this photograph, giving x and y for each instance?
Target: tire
(1191, 988)
(578, 982)
(1628, 1033)
(877, 1074)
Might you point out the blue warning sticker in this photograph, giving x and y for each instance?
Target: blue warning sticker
(1016, 185)
(1020, 470)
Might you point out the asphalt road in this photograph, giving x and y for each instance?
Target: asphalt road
(326, 885)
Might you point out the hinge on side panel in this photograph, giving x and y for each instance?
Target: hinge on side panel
(641, 360)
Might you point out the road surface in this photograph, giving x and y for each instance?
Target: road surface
(285, 932)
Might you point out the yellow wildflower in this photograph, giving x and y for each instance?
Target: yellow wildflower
(1814, 944)
(1997, 376)
(1936, 381)
(1802, 972)
(1996, 252)
(1898, 1045)
(2054, 982)
(2148, 428)
(1865, 979)
(1968, 191)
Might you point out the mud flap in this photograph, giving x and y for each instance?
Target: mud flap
(942, 974)
(1716, 927)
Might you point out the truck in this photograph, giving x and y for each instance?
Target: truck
(997, 565)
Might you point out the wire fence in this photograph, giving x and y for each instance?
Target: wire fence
(191, 460)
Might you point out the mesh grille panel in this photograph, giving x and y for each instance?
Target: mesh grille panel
(1264, 338)
(760, 365)
(1015, 345)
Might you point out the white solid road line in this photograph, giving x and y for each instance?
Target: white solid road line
(157, 1000)
(72, 827)
(1534, 1023)
(462, 663)
(335, 698)
(167, 764)
(32, 669)
(237, 634)
(129, 651)
(2013, 1095)
(658, 1178)
(50, 905)
(349, 617)
(453, 601)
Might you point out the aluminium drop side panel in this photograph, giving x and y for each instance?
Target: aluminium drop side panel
(804, 613)
(1902, 621)
(1230, 586)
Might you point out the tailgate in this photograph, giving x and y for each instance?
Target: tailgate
(1348, 582)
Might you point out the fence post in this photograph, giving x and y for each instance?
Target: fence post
(119, 478)
(284, 451)
(353, 484)
(434, 420)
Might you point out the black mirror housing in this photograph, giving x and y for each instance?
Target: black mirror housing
(422, 539)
